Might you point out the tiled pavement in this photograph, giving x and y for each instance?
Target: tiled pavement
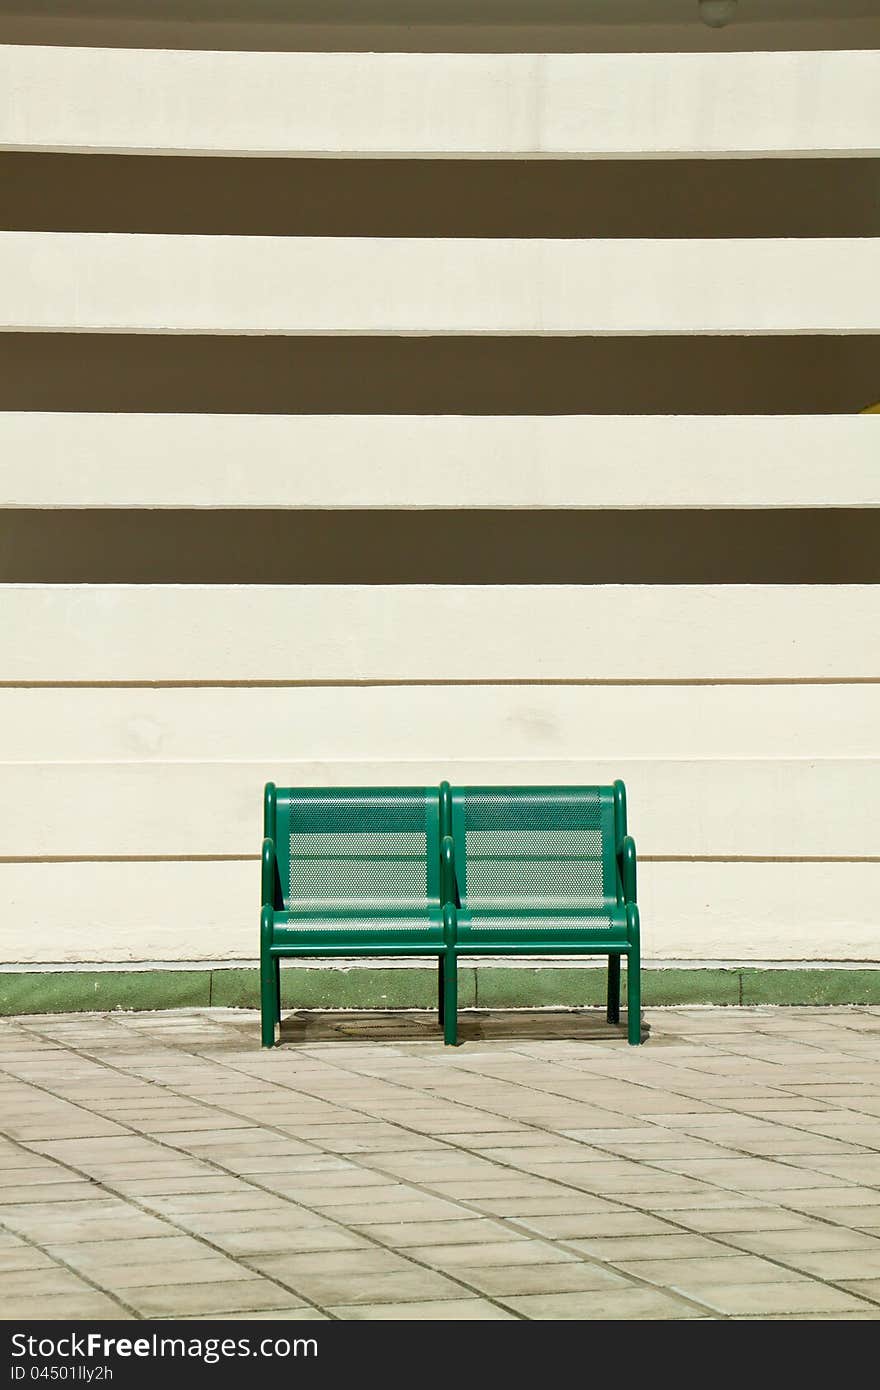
(162, 1165)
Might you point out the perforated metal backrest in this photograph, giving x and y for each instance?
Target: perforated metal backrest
(533, 848)
(348, 849)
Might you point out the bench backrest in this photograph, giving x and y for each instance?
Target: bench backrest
(521, 849)
(344, 850)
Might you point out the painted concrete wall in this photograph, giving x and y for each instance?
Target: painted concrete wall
(138, 721)
(739, 780)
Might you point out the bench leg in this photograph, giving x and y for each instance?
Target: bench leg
(612, 1012)
(450, 999)
(278, 991)
(441, 988)
(633, 979)
(268, 982)
(267, 1005)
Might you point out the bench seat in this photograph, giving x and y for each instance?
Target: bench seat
(354, 932)
(538, 930)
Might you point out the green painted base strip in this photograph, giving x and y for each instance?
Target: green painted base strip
(810, 986)
(76, 991)
(490, 987)
(370, 988)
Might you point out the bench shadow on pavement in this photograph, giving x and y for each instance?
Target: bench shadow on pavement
(477, 1025)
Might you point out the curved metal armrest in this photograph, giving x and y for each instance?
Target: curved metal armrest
(626, 859)
(448, 891)
(268, 878)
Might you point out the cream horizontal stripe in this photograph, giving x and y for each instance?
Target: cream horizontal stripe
(579, 104)
(125, 913)
(424, 632)
(112, 282)
(428, 723)
(678, 808)
(69, 459)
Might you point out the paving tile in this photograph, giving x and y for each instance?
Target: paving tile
(49, 1282)
(348, 1179)
(865, 1288)
(621, 1177)
(210, 1269)
(500, 1280)
(126, 1176)
(74, 1190)
(365, 1263)
(445, 1310)
(414, 1284)
(596, 1224)
(624, 1304)
(419, 1208)
(240, 1295)
(24, 1257)
(505, 1253)
(858, 1168)
(172, 1186)
(568, 1204)
(299, 1314)
(69, 1307)
(744, 1174)
(870, 1315)
(66, 1226)
(347, 1197)
(837, 1264)
(511, 1138)
(36, 1175)
(154, 1249)
(792, 1298)
(238, 1199)
(821, 1199)
(434, 1233)
(691, 1273)
(702, 1196)
(677, 1246)
(745, 1219)
(294, 1240)
(818, 1236)
(106, 1151)
(468, 1190)
(283, 1216)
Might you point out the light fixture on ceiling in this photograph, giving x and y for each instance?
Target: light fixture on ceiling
(717, 13)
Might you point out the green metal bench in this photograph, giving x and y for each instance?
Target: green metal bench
(542, 871)
(348, 872)
(426, 871)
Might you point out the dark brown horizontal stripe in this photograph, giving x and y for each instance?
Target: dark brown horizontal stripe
(446, 26)
(438, 376)
(440, 198)
(835, 546)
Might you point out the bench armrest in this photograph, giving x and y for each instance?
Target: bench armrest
(267, 898)
(626, 861)
(448, 886)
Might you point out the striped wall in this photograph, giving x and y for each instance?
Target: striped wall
(138, 720)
